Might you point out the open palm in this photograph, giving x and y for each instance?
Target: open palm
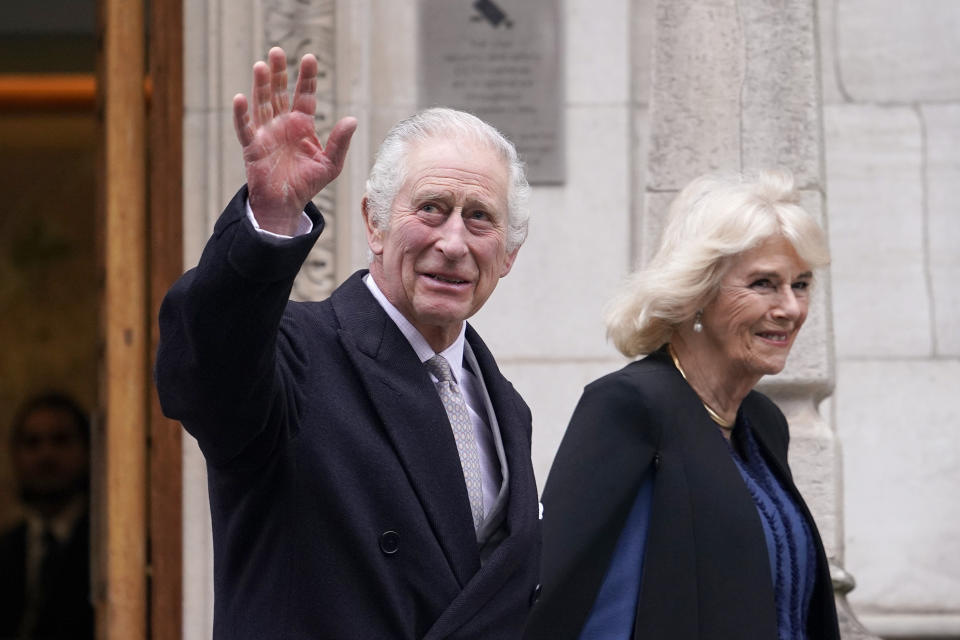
(285, 163)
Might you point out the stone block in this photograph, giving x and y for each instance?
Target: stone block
(236, 41)
(552, 388)
(393, 59)
(832, 92)
(196, 55)
(894, 51)
(577, 251)
(876, 224)
(225, 158)
(695, 103)
(656, 205)
(897, 421)
(197, 546)
(638, 164)
(595, 51)
(196, 214)
(942, 127)
(779, 100)
(642, 14)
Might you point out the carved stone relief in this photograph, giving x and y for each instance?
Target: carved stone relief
(301, 27)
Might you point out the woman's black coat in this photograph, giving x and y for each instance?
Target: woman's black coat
(706, 572)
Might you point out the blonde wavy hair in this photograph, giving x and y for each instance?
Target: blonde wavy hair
(714, 218)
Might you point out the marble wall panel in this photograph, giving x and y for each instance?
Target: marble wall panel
(695, 110)
(830, 81)
(894, 51)
(875, 196)
(779, 98)
(641, 49)
(898, 423)
(942, 130)
(595, 47)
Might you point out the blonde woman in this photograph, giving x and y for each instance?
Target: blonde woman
(670, 512)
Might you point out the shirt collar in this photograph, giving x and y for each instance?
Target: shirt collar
(62, 524)
(453, 354)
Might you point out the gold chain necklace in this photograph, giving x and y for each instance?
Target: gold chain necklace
(726, 424)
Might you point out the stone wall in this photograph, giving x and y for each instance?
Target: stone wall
(891, 91)
(891, 87)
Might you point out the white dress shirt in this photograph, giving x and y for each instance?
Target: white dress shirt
(469, 385)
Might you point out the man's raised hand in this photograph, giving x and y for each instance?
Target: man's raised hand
(285, 163)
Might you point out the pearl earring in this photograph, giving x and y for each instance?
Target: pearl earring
(697, 324)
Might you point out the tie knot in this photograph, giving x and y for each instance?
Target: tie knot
(438, 366)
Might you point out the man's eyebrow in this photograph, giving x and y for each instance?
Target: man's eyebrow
(445, 196)
(432, 195)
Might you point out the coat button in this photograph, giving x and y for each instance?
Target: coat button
(535, 595)
(389, 542)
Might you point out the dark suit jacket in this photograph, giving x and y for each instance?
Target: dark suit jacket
(706, 572)
(66, 612)
(338, 502)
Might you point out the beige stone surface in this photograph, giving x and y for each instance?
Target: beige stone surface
(903, 52)
(898, 421)
(875, 194)
(780, 95)
(695, 109)
(595, 51)
(641, 49)
(942, 134)
(832, 90)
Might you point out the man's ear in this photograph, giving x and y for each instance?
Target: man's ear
(374, 234)
(508, 262)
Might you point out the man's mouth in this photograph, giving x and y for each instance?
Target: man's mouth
(449, 279)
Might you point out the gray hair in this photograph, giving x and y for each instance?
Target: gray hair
(712, 220)
(388, 171)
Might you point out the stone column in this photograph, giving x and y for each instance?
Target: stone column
(736, 86)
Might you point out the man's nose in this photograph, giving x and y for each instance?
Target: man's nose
(453, 241)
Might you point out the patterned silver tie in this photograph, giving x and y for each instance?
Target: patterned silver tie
(462, 427)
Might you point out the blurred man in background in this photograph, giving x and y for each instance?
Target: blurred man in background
(45, 557)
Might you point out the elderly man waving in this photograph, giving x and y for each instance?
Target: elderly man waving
(369, 466)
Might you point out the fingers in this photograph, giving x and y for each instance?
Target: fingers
(305, 93)
(339, 141)
(262, 94)
(269, 97)
(241, 120)
(277, 60)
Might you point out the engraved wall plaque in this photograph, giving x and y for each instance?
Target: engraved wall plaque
(500, 60)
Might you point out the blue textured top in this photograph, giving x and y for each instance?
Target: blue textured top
(789, 543)
(789, 546)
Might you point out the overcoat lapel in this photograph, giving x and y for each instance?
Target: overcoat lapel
(414, 419)
(697, 476)
(521, 501)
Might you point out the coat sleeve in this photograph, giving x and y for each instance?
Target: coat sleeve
(225, 362)
(607, 453)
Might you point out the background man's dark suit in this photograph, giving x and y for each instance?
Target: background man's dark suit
(338, 502)
(65, 611)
